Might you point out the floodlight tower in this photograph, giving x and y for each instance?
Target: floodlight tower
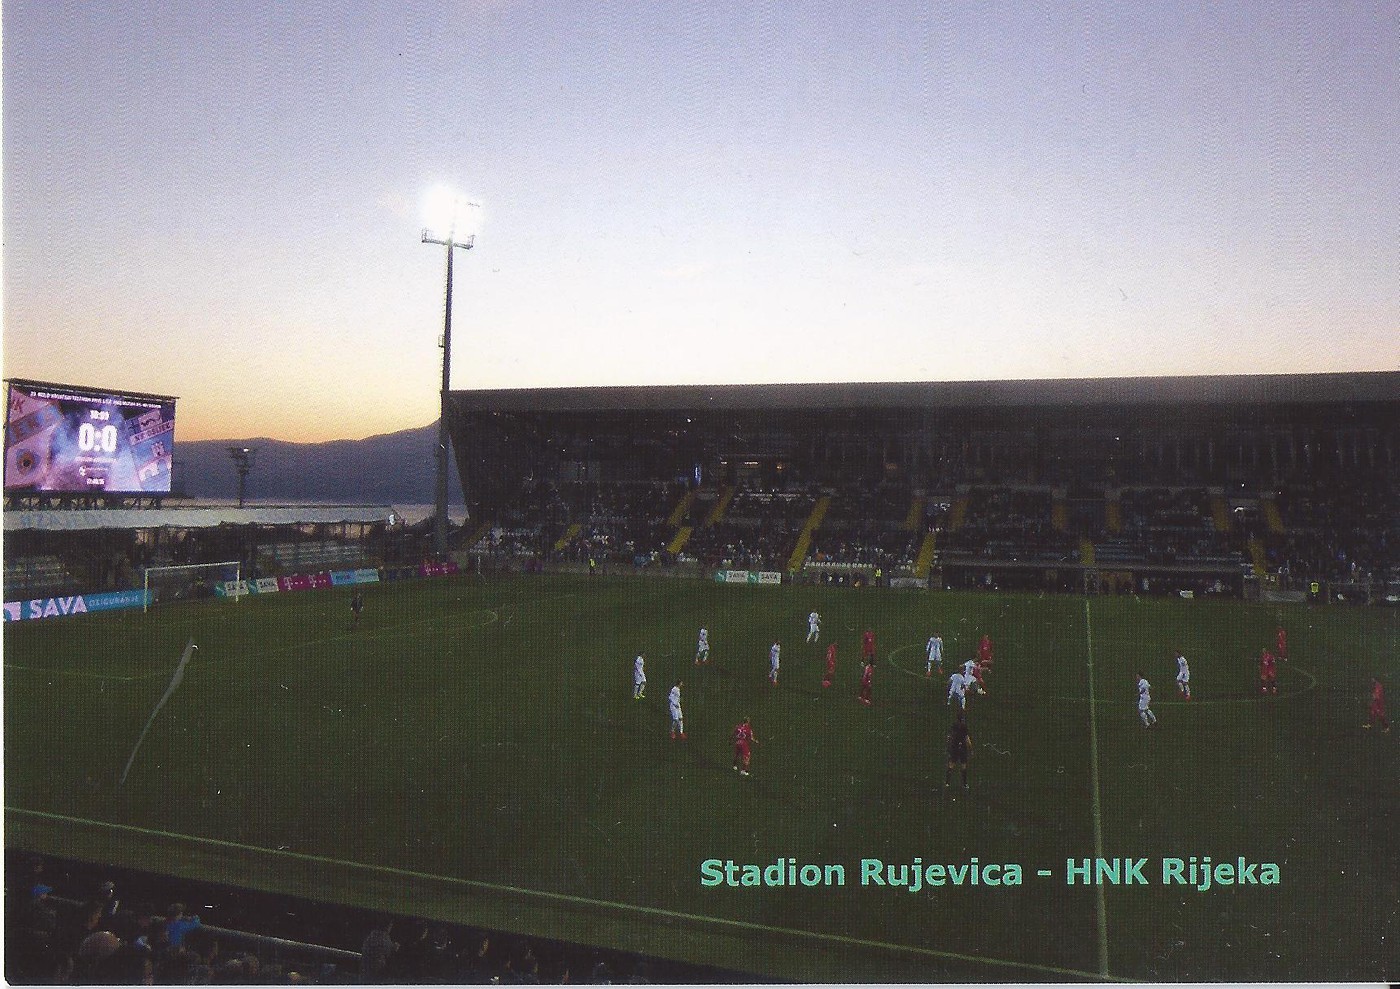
(243, 462)
(451, 219)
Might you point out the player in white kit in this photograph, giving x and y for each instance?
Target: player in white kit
(673, 700)
(1183, 677)
(935, 655)
(814, 627)
(958, 685)
(1145, 714)
(773, 664)
(702, 647)
(639, 678)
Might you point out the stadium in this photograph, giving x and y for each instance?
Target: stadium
(466, 749)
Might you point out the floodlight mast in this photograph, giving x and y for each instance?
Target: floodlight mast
(465, 242)
(243, 462)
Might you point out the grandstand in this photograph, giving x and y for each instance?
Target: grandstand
(1225, 485)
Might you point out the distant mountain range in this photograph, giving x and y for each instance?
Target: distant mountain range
(391, 469)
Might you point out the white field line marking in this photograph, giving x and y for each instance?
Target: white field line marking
(1101, 905)
(889, 658)
(73, 673)
(560, 897)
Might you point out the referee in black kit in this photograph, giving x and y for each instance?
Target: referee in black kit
(959, 747)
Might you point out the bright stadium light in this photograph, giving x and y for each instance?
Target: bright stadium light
(449, 216)
(452, 220)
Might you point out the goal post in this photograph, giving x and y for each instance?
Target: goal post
(189, 581)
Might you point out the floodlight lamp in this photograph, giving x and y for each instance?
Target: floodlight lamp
(449, 215)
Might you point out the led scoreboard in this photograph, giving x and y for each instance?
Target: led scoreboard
(68, 439)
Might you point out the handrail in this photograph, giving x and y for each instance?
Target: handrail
(267, 940)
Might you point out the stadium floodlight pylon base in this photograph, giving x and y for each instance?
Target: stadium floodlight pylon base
(190, 568)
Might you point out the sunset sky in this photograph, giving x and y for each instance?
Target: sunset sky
(223, 201)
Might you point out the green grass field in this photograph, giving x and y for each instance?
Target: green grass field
(473, 753)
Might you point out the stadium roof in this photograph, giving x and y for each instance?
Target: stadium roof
(1270, 389)
(70, 520)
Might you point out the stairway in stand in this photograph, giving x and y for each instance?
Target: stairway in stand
(721, 506)
(1113, 512)
(916, 513)
(804, 538)
(924, 561)
(682, 537)
(677, 516)
(682, 508)
(1220, 513)
(1257, 557)
(570, 534)
(957, 515)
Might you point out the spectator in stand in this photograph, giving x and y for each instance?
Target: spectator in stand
(524, 969)
(31, 938)
(39, 913)
(375, 952)
(202, 950)
(91, 965)
(177, 925)
(475, 965)
(21, 881)
(136, 926)
(131, 965)
(72, 935)
(411, 962)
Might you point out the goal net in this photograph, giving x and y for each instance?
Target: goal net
(193, 581)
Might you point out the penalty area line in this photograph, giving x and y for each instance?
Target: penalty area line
(566, 898)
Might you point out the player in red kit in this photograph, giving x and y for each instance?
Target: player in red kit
(867, 681)
(830, 665)
(1377, 715)
(867, 646)
(743, 747)
(1268, 675)
(1282, 644)
(984, 652)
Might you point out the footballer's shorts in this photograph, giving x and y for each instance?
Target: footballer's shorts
(957, 754)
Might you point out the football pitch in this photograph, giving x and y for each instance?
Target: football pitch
(472, 752)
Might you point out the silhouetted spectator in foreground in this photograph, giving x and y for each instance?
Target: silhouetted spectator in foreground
(377, 949)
